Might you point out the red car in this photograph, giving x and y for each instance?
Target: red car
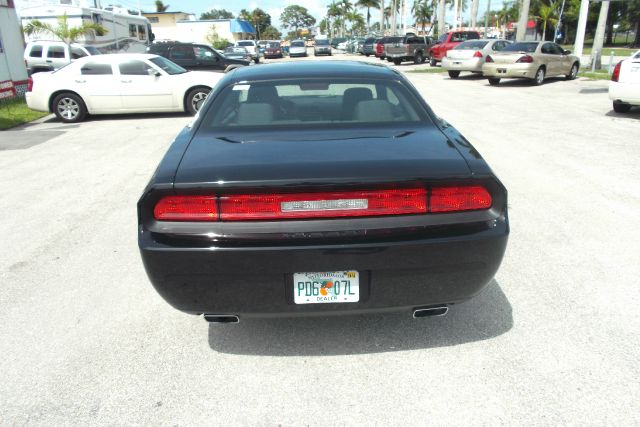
(379, 45)
(447, 42)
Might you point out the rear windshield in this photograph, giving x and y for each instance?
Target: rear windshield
(297, 44)
(297, 104)
(528, 47)
(322, 42)
(394, 39)
(474, 45)
(247, 43)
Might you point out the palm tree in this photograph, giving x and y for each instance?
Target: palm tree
(161, 7)
(368, 4)
(548, 15)
(62, 31)
(357, 22)
(333, 14)
(422, 12)
(346, 7)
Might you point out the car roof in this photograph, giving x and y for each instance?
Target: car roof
(292, 70)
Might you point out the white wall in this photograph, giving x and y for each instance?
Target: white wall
(11, 58)
(196, 31)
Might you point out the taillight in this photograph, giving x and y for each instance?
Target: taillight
(186, 208)
(488, 59)
(615, 76)
(478, 54)
(453, 199)
(527, 59)
(29, 84)
(323, 205)
(339, 204)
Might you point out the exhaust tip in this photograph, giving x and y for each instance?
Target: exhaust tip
(221, 318)
(434, 311)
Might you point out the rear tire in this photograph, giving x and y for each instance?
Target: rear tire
(494, 81)
(433, 62)
(621, 108)
(195, 99)
(539, 77)
(367, 54)
(454, 74)
(574, 72)
(69, 108)
(397, 61)
(418, 59)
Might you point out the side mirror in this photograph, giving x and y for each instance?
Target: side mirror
(153, 73)
(567, 52)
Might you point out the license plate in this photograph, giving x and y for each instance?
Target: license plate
(326, 287)
(502, 70)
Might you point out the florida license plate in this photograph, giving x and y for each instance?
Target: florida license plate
(326, 287)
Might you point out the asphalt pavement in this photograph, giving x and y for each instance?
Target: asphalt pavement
(554, 339)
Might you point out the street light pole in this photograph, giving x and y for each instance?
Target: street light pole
(486, 18)
(582, 28)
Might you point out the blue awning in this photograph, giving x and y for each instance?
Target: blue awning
(240, 26)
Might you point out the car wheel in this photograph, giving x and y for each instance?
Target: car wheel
(433, 62)
(418, 58)
(454, 74)
(619, 107)
(366, 54)
(69, 108)
(195, 99)
(539, 77)
(494, 81)
(397, 61)
(257, 60)
(574, 72)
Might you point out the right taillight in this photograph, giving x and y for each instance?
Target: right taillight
(186, 208)
(488, 59)
(29, 84)
(615, 76)
(456, 199)
(527, 59)
(478, 54)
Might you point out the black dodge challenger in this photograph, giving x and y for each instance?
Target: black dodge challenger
(320, 188)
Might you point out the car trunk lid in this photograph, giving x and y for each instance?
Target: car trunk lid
(508, 57)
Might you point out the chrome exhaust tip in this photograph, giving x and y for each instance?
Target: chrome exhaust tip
(433, 311)
(221, 318)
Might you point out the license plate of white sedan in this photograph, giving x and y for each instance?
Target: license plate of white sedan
(326, 287)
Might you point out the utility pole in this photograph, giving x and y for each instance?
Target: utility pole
(404, 20)
(474, 13)
(598, 40)
(524, 20)
(455, 14)
(582, 27)
(382, 18)
(559, 24)
(486, 19)
(394, 28)
(441, 12)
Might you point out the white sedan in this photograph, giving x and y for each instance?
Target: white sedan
(624, 89)
(119, 83)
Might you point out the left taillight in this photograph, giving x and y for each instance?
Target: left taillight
(335, 204)
(29, 84)
(186, 208)
(488, 59)
(615, 75)
(527, 59)
(478, 54)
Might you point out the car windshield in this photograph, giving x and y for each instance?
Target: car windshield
(474, 45)
(528, 47)
(322, 42)
(443, 38)
(287, 104)
(168, 66)
(273, 44)
(297, 44)
(394, 39)
(92, 50)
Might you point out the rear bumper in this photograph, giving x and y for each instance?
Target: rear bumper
(627, 93)
(505, 71)
(258, 282)
(470, 64)
(37, 103)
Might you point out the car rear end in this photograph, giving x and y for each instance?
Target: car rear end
(298, 48)
(518, 60)
(468, 56)
(380, 47)
(369, 46)
(39, 89)
(396, 48)
(275, 219)
(624, 88)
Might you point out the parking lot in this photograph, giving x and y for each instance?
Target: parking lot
(552, 340)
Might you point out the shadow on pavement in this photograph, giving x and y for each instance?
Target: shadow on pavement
(590, 90)
(521, 82)
(103, 117)
(487, 315)
(634, 114)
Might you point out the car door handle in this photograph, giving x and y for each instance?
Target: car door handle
(125, 81)
(81, 81)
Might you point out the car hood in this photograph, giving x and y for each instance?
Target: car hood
(323, 156)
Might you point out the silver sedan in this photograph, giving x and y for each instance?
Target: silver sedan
(471, 55)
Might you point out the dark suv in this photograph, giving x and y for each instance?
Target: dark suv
(196, 56)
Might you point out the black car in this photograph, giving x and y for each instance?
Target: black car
(194, 56)
(320, 188)
(369, 46)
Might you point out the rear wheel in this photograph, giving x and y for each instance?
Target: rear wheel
(418, 59)
(494, 81)
(69, 108)
(621, 108)
(195, 99)
(433, 62)
(574, 72)
(366, 54)
(454, 74)
(539, 77)
(397, 61)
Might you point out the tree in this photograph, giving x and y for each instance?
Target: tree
(161, 7)
(217, 14)
(261, 20)
(296, 17)
(368, 4)
(214, 39)
(333, 14)
(271, 33)
(62, 31)
(547, 14)
(346, 7)
(422, 11)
